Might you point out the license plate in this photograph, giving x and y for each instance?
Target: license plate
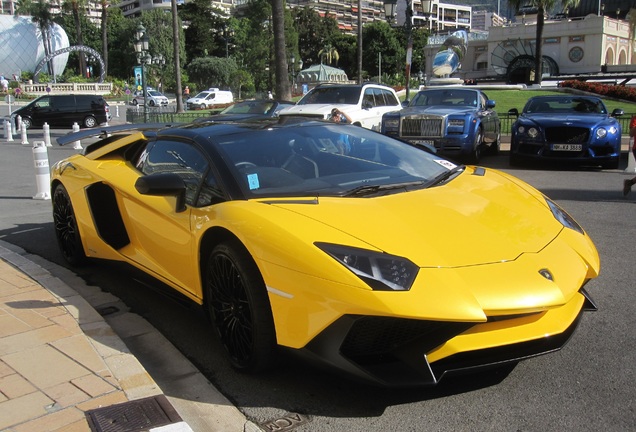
(424, 142)
(567, 147)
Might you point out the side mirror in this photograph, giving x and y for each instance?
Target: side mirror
(405, 103)
(163, 184)
(490, 104)
(617, 112)
(514, 112)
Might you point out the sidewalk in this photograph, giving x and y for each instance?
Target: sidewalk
(63, 368)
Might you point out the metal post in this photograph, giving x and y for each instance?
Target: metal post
(145, 90)
(409, 46)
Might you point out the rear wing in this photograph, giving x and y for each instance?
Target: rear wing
(105, 131)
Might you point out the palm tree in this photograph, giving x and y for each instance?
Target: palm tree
(104, 29)
(543, 6)
(42, 17)
(74, 6)
(283, 90)
(329, 53)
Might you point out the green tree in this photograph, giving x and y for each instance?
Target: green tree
(90, 38)
(205, 29)
(381, 39)
(543, 7)
(208, 72)
(314, 33)
(329, 54)
(76, 8)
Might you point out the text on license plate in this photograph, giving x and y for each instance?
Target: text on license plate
(423, 142)
(567, 147)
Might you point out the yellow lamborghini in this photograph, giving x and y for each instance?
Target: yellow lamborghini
(380, 258)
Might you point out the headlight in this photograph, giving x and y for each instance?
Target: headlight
(382, 272)
(601, 133)
(392, 123)
(456, 122)
(533, 132)
(563, 217)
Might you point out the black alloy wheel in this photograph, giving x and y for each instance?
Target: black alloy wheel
(66, 231)
(237, 302)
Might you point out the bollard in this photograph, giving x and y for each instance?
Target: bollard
(42, 173)
(23, 134)
(46, 130)
(116, 110)
(8, 134)
(16, 125)
(631, 162)
(77, 145)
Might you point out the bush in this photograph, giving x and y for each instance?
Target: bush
(610, 90)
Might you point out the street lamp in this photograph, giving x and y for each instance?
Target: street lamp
(143, 58)
(292, 60)
(228, 34)
(390, 11)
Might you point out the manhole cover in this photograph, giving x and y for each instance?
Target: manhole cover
(133, 416)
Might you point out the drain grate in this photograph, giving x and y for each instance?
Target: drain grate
(133, 416)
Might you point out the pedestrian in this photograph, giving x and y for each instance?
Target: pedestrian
(186, 91)
(270, 95)
(4, 84)
(338, 116)
(627, 184)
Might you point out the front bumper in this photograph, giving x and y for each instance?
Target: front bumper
(597, 154)
(397, 352)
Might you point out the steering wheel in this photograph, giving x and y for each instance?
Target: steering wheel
(245, 165)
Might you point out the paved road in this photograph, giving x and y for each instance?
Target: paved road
(587, 386)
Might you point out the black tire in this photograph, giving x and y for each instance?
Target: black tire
(151, 103)
(90, 122)
(237, 302)
(475, 156)
(66, 231)
(134, 102)
(495, 147)
(202, 106)
(27, 122)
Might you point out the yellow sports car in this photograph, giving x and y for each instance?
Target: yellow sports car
(380, 258)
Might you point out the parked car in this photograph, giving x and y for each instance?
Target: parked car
(209, 98)
(256, 109)
(566, 128)
(63, 110)
(153, 98)
(460, 123)
(364, 104)
(384, 260)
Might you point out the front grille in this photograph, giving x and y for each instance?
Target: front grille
(422, 126)
(567, 135)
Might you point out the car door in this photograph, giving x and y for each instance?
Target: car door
(488, 119)
(162, 236)
(42, 111)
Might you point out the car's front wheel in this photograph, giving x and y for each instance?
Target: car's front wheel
(237, 303)
(66, 231)
(202, 106)
(134, 102)
(151, 103)
(475, 156)
(27, 122)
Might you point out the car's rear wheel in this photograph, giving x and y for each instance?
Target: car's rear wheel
(66, 231)
(134, 102)
(202, 106)
(151, 103)
(90, 122)
(237, 302)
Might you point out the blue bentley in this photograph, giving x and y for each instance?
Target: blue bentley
(460, 123)
(572, 128)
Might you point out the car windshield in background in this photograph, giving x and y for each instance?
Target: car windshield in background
(446, 97)
(329, 160)
(332, 95)
(561, 105)
(249, 107)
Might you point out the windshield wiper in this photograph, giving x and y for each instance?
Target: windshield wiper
(365, 190)
(446, 176)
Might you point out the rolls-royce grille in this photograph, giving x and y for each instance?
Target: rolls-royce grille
(567, 135)
(422, 127)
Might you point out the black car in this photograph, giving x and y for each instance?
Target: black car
(460, 123)
(63, 110)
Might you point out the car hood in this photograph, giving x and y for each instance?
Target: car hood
(472, 220)
(549, 120)
(440, 110)
(322, 109)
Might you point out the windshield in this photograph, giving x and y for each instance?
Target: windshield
(202, 95)
(565, 105)
(332, 95)
(154, 93)
(249, 107)
(328, 160)
(450, 97)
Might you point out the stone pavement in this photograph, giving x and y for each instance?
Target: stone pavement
(63, 368)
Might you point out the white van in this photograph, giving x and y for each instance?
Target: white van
(209, 98)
